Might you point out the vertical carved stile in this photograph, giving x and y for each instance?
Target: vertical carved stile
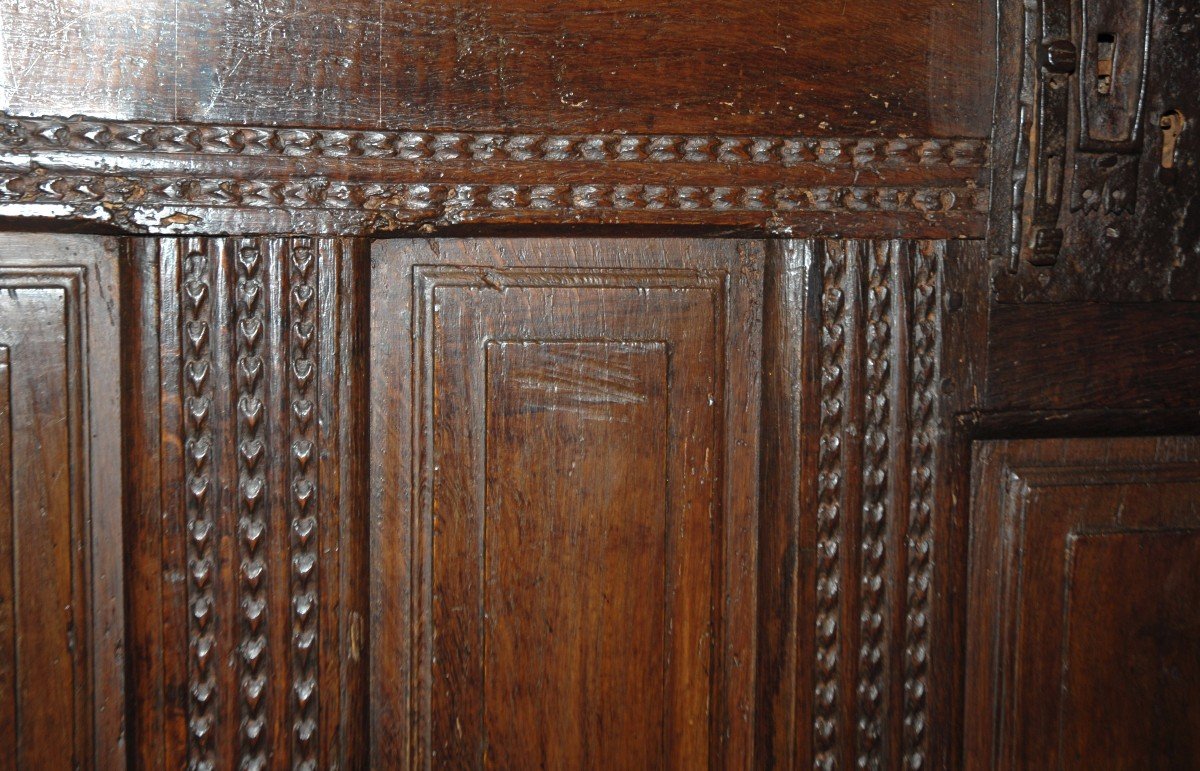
(196, 302)
(253, 496)
(249, 333)
(873, 612)
(831, 470)
(879, 341)
(302, 385)
(924, 354)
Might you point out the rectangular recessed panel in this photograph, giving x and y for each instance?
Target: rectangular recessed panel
(575, 554)
(41, 600)
(591, 341)
(1082, 622)
(1131, 661)
(62, 651)
(564, 432)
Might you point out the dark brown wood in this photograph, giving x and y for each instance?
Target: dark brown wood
(645, 439)
(61, 596)
(1142, 681)
(213, 179)
(578, 517)
(151, 709)
(959, 379)
(1102, 355)
(862, 349)
(622, 366)
(1083, 604)
(1124, 202)
(254, 654)
(825, 68)
(785, 691)
(838, 118)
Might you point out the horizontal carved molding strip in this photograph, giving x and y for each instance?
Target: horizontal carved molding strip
(160, 178)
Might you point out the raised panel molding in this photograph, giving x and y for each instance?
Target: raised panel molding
(196, 179)
(253, 565)
(61, 599)
(253, 553)
(1082, 610)
(563, 387)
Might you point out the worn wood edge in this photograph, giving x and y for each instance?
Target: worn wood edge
(1009, 142)
(214, 179)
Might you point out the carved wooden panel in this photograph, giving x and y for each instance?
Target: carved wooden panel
(215, 178)
(1083, 604)
(249, 637)
(291, 116)
(61, 602)
(494, 502)
(564, 444)
(851, 670)
(873, 537)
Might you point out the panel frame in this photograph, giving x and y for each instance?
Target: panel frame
(395, 339)
(84, 269)
(1012, 479)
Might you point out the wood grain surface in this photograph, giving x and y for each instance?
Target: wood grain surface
(572, 476)
(62, 613)
(1083, 622)
(819, 67)
(598, 383)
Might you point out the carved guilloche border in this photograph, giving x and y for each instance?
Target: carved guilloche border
(171, 178)
(81, 134)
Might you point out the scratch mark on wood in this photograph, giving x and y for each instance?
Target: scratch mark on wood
(590, 384)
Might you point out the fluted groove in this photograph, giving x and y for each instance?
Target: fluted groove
(250, 327)
(252, 497)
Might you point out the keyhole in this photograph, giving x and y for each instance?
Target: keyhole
(1172, 124)
(1106, 49)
